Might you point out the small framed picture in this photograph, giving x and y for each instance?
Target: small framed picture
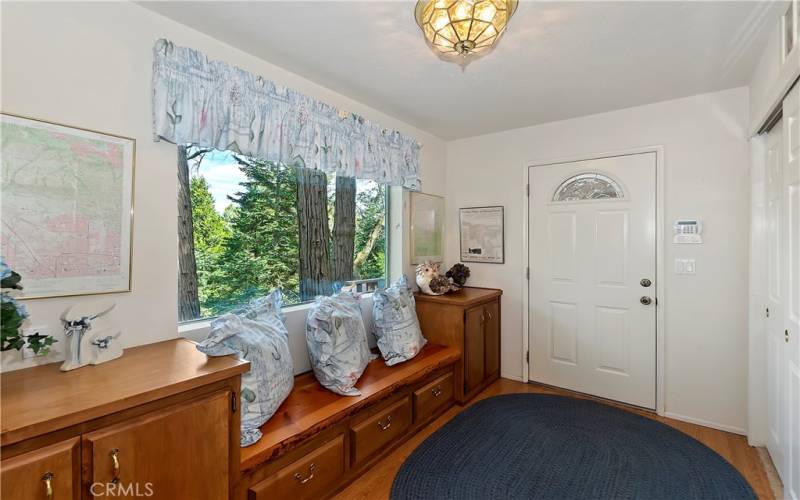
(427, 228)
(482, 235)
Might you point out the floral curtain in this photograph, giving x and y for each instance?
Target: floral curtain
(213, 104)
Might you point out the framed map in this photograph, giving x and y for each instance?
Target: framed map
(66, 207)
(482, 235)
(427, 228)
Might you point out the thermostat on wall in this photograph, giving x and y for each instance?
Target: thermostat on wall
(688, 231)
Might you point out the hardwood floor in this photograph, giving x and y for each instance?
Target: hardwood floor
(377, 483)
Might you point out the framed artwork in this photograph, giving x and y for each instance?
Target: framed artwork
(427, 228)
(66, 207)
(482, 235)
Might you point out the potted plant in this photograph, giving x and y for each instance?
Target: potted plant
(13, 314)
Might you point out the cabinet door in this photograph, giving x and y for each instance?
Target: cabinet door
(474, 348)
(178, 452)
(491, 328)
(52, 472)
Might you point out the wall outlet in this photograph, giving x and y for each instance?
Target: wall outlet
(27, 352)
(685, 266)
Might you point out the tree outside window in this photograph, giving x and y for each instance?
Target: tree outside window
(247, 226)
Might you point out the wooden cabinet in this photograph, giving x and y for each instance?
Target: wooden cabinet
(470, 321)
(178, 452)
(50, 472)
(159, 422)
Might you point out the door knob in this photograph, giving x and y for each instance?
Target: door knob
(645, 282)
(645, 300)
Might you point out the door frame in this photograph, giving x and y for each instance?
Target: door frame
(661, 302)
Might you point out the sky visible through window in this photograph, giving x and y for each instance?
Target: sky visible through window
(223, 175)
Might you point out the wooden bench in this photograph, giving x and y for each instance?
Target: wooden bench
(318, 441)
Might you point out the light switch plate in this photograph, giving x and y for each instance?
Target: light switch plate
(685, 266)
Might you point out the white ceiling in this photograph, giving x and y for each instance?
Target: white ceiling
(557, 60)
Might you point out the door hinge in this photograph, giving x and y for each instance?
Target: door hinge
(234, 404)
(528, 190)
(527, 273)
(528, 357)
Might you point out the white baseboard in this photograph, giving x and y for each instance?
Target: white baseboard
(706, 423)
(511, 377)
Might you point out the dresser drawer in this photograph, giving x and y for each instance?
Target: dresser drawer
(313, 476)
(371, 434)
(432, 397)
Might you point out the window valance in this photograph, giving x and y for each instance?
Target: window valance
(213, 104)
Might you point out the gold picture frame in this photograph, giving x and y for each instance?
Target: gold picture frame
(70, 253)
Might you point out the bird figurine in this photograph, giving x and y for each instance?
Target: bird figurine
(430, 282)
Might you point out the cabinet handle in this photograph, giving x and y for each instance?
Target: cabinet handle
(303, 480)
(48, 484)
(437, 391)
(490, 315)
(387, 424)
(786, 335)
(115, 463)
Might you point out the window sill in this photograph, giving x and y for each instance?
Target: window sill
(198, 330)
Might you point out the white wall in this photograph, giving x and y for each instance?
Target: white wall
(89, 64)
(706, 176)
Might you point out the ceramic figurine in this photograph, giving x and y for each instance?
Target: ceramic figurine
(89, 349)
(431, 282)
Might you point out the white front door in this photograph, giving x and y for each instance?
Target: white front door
(592, 256)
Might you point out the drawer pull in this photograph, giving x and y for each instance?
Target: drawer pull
(114, 454)
(437, 391)
(387, 424)
(303, 480)
(48, 484)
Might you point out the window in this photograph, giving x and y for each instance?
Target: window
(256, 226)
(588, 186)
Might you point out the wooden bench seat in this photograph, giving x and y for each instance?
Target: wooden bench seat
(318, 441)
(311, 408)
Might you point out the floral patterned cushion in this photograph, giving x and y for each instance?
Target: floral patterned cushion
(257, 334)
(337, 342)
(396, 325)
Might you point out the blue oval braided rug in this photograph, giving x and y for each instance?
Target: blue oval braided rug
(537, 446)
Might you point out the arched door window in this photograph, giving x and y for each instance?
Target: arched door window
(588, 186)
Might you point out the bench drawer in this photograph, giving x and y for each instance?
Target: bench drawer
(371, 434)
(433, 396)
(313, 476)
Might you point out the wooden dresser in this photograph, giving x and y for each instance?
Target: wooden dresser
(468, 320)
(159, 422)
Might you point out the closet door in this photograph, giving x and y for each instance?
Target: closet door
(774, 296)
(791, 277)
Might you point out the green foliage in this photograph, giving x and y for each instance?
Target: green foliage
(13, 314)
(252, 247)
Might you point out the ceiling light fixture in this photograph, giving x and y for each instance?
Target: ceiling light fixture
(461, 30)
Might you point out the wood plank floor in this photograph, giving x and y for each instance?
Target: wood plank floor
(377, 483)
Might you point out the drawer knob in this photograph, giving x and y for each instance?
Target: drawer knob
(303, 480)
(437, 391)
(48, 484)
(386, 425)
(114, 454)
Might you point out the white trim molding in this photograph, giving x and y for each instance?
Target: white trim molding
(705, 423)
